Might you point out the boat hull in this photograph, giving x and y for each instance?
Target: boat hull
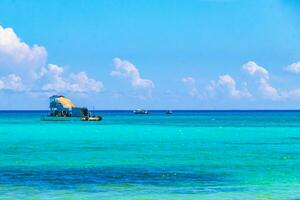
(50, 118)
(141, 112)
(95, 118)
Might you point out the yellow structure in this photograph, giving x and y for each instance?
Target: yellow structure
(62, 108)
(65, 102)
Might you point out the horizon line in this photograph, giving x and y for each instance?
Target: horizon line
(155, 110)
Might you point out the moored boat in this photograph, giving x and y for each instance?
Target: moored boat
(141, 112)
(92, 118)
(169, 112)
(62, 109)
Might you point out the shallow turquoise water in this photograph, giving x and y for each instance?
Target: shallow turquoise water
(189, 155)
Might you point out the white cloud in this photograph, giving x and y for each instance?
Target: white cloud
(11, 82)
(268, 90)
(16, 55)
(227, 83)
(53, 75)
(293, 68)
(79, 82)
(51, 70)
(252, 68)
(291, 94)
(24, 62)
(264, 86)
(126, 69)
(190, 82)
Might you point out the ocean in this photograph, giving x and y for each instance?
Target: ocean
(207, 155)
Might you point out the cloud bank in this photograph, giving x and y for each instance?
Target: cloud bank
(79, 82)
(11, 82)
(126, 69)
(265, 87)
(25, 62)
(293, 68)
(252, 68)
(227, 85)
(190, 83)
(17, 55)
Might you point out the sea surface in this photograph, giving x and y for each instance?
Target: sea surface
(197, 155)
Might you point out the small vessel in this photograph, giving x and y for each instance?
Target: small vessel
(141, 112)
(169, 112)
(62, 109)
(92, 118)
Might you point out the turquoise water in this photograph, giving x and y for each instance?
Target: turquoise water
(189, 155)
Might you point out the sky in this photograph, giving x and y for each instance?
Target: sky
(160, 54)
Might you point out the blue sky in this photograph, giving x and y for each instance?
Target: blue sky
(209, 54)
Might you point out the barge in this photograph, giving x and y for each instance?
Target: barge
(63, 109)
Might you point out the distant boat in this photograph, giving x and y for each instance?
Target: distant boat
(169, 112)
(141, 112)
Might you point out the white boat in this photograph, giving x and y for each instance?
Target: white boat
(141, 112)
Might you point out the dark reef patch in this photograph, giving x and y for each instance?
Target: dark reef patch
(71, 177)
